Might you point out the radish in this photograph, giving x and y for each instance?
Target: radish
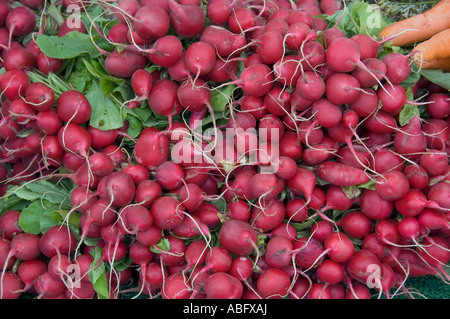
(238, 237)
(308, 252)
(167, 212)
(20, 21)
(72, 106)
(57, 240)
(11, 286)
(374, 206)
(278, 251)
(157, 144)
(14, 84)
(339, 247)
(330, 272)
(9, 224)
(187, 20)
(200, 58)
(124, 63)
(410, 140)
(341, 174)
(222, 285)
(392, 185)
(362, 265)
(356, 224)
(29, 270)
(273, 283)
(151, 22)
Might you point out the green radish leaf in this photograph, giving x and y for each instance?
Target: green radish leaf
(438, 77)
(105, 113)
(37, 217)
(407, 113)
(69, 46)
(97, 275)
(221, 97)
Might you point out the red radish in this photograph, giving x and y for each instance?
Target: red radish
(330, 272)
(151, 149)
(20, 21)
(167, 212)
(187, 20)
(308, 252)
(410, 140)
(311, 86)
(14, 84)
(374, 206)
(151, 22)
(9, 224)
(339, 247)
(398, 67)
(341, 174)
(238, 237)
(11, 286)
(438, 105)
(278, 252)
(29, 270)
(57, 240)
(124, 63)
(392, 185)
(342, 88)
(363, 265)
(222, 285)
(268, 215)
(273, 283)
(72, 106)
(356, 224)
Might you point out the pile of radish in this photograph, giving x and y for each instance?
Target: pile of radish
(323, 191)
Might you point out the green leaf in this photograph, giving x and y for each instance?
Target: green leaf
(38, 217)
(221, 97)
(162, 245)
(69, 46)
(407, 113)
(438, 77)
(44, 190)
(97, 275)
(105, 112)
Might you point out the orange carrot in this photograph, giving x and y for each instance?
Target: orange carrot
(436, 64)
(419, 27)
(437, 47)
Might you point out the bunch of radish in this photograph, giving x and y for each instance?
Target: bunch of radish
(320, 192)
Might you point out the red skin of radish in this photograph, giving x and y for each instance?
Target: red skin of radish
(147, 192)
(343, 55)
(124, 63)
(321, 230)
(278, 251)
(359, 266)
(166, 51)
(307, 252)
(398, 67)
(374, 206)
(269, 216)
(340, 247)
(432, 219)
(138, 173)
(271, 47)
(314, 54)
(238, 237)
(366, 79)
(57, 239)
(392, 98)
(330, 272)
(273, 283)
(342, 88)
(120, 189)
(256, 80)
(287, 70)
(241, 19)
(14, 84)
(303, 182)
(218, 11)
(101, 138)
(367, 46)
(392, 185)
(276, 101)
(20, 21)
(386, 231)
(194, 96)
(223, 40)
(18, 58)
(151, 22)
(296, 210)
(222, 285)
(163, 97)
(9, 224)
(150, 236)
(6, 254)
(39, 96)
(341, 174)
(135, 218)
(326, 113)
(200, 58)
(435, 162)
(439, 193)
(187, 20)
(48, 64)
(439, 107)
(141, 83)
(29, 270)
(167, 212)
(82, 198)
(356, 224)
(311, 86)
(11, 287)
(151, 149)
(74, 138)
(25, 246)
(410, 140)
(74, 107)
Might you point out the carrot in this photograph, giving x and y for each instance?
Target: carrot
(436, 64)
(437, 47)
(419, 27)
